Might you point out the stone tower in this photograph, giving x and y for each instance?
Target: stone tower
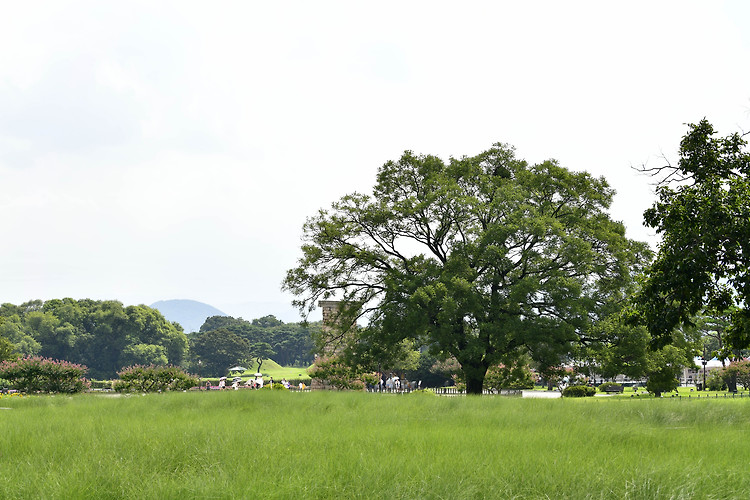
(330, 308)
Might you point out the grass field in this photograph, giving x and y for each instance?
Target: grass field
(272, 444)
(270, 368)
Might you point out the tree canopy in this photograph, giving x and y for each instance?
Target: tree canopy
(103, 335)
(482, 258)
(703, 260)
(290, 344)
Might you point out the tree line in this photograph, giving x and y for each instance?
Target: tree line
(106, 336)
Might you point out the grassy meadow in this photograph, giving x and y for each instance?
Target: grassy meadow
(271, 368)
(273, 444)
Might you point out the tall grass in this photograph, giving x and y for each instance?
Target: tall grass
(263, 444)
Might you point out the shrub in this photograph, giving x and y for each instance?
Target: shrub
(154, 379)
(515, 376)
(715, 381)
(604, 386)
(578, 391)
(336, 372)
(277, 386)
(44, 375)
(737, 372)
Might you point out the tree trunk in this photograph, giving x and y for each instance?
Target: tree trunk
(732, 383)
(474, 378)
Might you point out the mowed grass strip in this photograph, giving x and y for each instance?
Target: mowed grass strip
(263, 444)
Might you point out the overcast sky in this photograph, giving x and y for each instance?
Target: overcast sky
(172, 150)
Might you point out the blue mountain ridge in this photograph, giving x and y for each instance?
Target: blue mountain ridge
(190, 314)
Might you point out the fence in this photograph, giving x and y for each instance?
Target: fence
(731, 395)
(454, 391)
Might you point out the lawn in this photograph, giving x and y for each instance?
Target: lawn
(270, 368)
(275, 444)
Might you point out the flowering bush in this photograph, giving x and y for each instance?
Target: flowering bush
(514, 376)
(44, 375)
(154, 379)
(335, 372)
(738, 370)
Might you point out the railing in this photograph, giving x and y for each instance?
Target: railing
(731, 395)
(454, 391)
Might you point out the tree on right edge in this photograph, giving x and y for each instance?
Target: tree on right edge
(703, 260)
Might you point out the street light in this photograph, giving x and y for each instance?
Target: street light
(705, 362)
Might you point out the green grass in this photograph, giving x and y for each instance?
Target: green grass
(264, 444)
(684, 392)
(270, 368)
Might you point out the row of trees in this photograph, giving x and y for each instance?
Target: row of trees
(102, 335)
(223, 341)
(106, 336)
(491, 261)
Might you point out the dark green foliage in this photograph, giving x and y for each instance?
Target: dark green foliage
(664, 380)
(154, 379)
(38, 374)
(103, 335)
(703, 216)
(716, 381)
(483, 259)
(515, 376)
(219, 350)
(428, 371)
(291, 343)
(7, 350)
(578, 391)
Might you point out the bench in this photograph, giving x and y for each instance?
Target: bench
(614, 388)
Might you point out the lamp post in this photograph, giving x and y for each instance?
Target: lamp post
(200, 381)
(705, 362)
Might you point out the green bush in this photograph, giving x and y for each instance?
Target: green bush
(715, 381)
(578, 391)
(515, 376)
(154, 379)
(44, 375)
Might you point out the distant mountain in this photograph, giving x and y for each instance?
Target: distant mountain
(190, 314)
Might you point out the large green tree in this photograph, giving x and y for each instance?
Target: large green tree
(482, 258)
(703, 216)
(218, 350)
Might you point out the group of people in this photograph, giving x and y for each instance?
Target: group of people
(252, 383)
(395, 384)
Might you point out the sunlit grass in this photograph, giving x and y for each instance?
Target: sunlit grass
(262, 444)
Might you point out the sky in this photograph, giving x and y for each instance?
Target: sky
(173, 150)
